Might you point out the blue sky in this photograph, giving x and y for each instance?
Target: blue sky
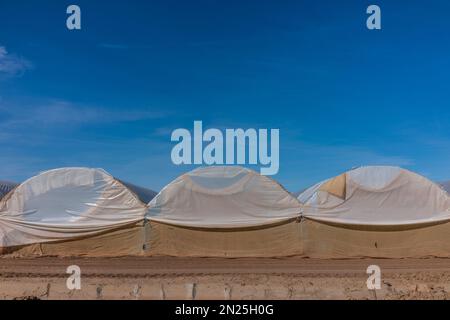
(109, 95)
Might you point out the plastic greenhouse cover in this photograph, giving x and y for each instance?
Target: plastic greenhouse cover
(382, 196)
(66, 203)
(223, 197)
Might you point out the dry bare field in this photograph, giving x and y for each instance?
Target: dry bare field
(216, 278)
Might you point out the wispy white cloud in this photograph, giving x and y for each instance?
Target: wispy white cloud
(163, 131)
(60, 112)
(11, 64)
(36, 133)
(18, 167)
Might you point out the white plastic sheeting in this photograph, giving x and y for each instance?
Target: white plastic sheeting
(378, 195)
(66, 203)
(144, 194)
(223, 197)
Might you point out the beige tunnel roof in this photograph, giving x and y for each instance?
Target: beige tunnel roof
(66, 203)
(377, 195)
(223, 197)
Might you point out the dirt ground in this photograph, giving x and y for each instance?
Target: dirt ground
(213, 278)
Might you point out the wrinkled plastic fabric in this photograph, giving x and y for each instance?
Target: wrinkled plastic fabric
(223, 197)
(66, 203)
(144, 194)
(380, 196)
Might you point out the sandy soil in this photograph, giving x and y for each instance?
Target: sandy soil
(212, 278)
